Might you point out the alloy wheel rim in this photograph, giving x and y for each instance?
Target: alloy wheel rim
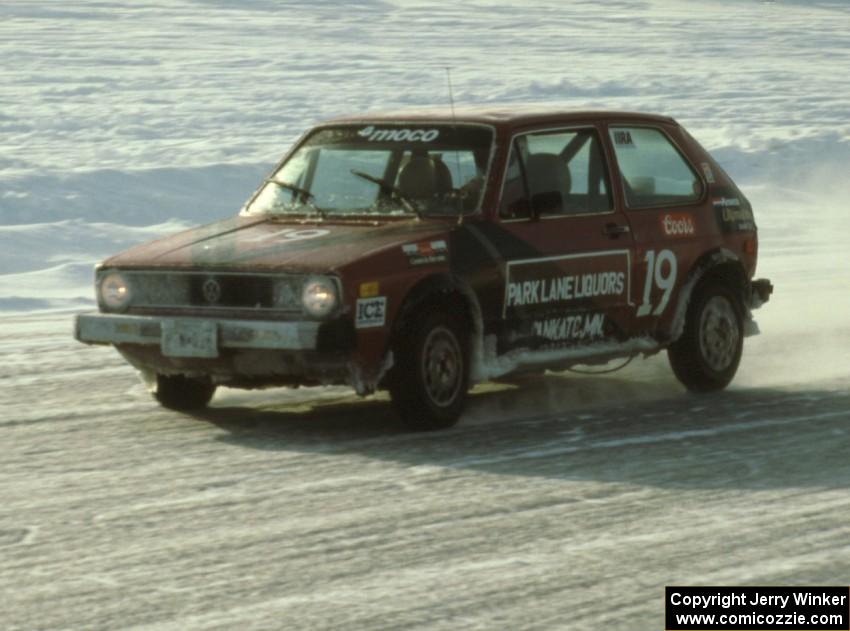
(719, 333)
(442, 366)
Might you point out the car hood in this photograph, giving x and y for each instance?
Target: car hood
(274, 244)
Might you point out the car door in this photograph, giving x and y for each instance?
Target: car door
(569, 284)
(662, 195)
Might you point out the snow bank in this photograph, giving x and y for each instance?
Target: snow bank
(134, 197)
(51, 265)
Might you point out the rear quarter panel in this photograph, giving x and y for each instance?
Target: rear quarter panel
(691, 232)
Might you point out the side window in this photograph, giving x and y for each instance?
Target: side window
(556, 173)
(654, 173)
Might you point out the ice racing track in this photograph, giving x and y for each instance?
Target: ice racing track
(568, 503)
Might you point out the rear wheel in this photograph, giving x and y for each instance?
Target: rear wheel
(178, 392)
(430, 378)
(706, 356)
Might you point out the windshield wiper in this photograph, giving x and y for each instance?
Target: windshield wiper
(406, 201)
(304, 196)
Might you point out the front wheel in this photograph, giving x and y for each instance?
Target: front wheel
(706, 356)
(181, 393)
(430, 379)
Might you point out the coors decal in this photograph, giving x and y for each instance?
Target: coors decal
(678, 225)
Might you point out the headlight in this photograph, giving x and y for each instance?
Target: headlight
(319, 296)
(114, 291)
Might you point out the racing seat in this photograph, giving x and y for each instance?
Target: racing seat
(442, 174)
(418, 179)
(549, 182)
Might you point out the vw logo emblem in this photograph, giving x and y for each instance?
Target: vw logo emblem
(212, 291)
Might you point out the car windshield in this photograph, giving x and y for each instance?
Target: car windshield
(378, 169)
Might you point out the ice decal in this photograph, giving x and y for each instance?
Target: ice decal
(371, 312)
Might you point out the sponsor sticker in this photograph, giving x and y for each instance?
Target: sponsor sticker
(707, 172)
(551, 284)
(370, 312)
(369, 290)
(733, 215)
(565, 288)
(736, 214)
(426, 252)
(573, 328)
(375, 134)
(623, 138)
(678, 225)
(726, 202)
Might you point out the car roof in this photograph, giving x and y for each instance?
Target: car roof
(501, 116)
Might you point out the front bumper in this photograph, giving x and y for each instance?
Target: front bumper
(195, 337)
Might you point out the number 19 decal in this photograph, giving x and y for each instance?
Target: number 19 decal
(658, 274)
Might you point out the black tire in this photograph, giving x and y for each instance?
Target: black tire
(181, 393)
(706, 356)
(430, 378)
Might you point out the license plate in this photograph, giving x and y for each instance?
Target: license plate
(189, 338)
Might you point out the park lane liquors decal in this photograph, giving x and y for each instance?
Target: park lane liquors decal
(566, 298)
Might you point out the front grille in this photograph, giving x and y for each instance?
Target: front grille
(251, 292)
(210, 290)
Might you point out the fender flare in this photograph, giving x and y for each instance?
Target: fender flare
(440, 286)
(702, 268)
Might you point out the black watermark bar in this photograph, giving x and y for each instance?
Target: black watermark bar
(757, 608)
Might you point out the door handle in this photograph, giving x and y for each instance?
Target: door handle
(615, 230)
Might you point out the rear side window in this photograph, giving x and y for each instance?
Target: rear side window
(654, 173)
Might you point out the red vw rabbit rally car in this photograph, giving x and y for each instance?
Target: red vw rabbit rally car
(421, 253)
